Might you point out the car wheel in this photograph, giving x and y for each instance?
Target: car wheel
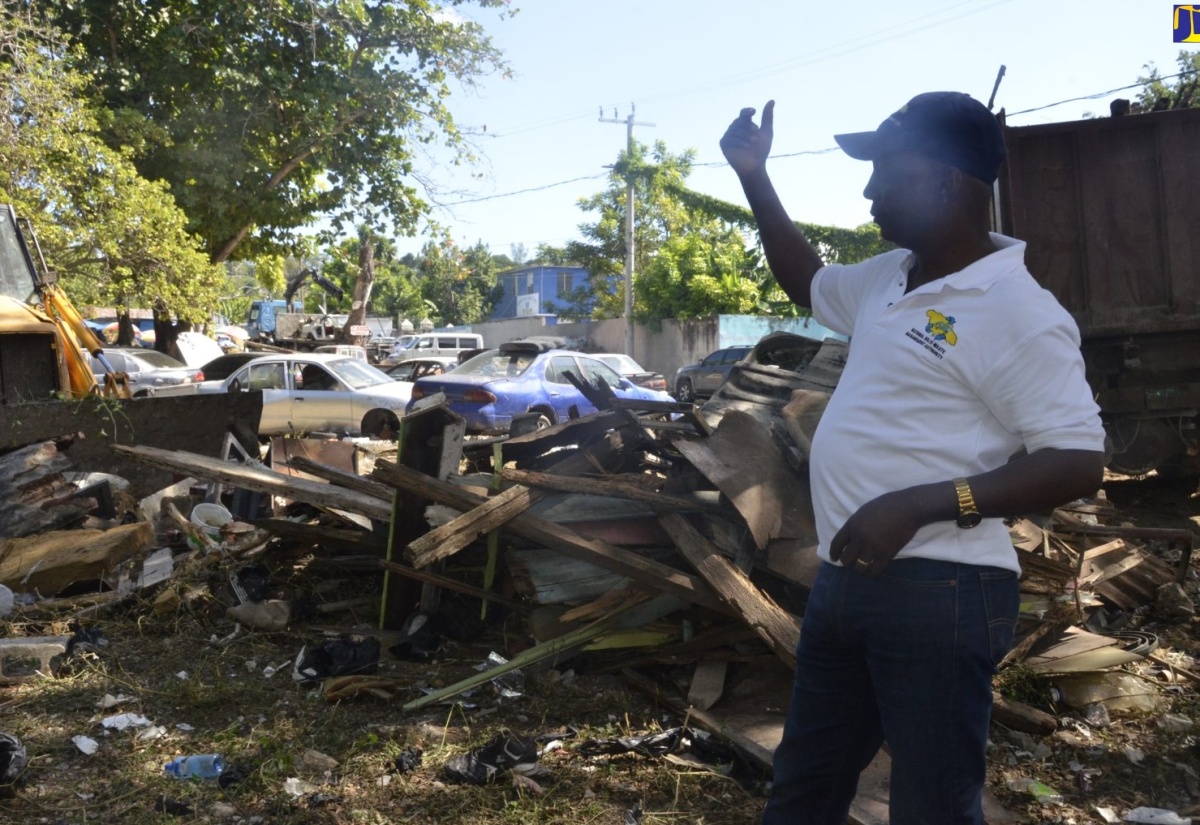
(383, 425)
(529, 422)
(684, 391)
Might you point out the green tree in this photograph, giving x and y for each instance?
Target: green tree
(1184, 93)
(264, 116)
(114, 237)
(693, 254)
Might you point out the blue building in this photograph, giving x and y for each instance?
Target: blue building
(528, 291)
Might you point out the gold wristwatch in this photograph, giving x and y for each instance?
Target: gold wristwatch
(968, 512)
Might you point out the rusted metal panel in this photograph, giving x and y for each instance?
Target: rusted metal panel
(1107, 207)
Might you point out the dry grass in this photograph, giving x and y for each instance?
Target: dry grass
(265, 725)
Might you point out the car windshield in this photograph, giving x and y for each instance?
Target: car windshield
(498, 364)
(355, 374)
(621, 363)
(157, 359)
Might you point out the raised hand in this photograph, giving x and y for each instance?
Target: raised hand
(745, 144)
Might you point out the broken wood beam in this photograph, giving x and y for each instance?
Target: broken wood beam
(449, 538)
(453, 584)
(340, 538)
(642, 571)
(51, 562)
(774, 625)
(342, 478)
(615, 487)
(1019, 716)
(261, 480)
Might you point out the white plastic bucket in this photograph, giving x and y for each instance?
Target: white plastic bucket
(210, 518)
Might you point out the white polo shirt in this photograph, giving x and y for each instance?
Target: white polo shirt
(945, 381)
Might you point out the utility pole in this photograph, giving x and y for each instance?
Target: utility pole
(629, 211)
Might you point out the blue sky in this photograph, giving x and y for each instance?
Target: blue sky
(690, 65)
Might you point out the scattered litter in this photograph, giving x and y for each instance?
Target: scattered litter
(183, 726)
(1107, 814)
(1134, 755)
(521, 781)
(408, 760)
(110, 701)
(7, 600)
(173, 807)
(198, 766)
(298, 787)
(1040, 791)
(182, 675)
(271, 670)
(152, 732)
(1156, 816)
(125, 720)
(1175, 723)
(634, 815)
(86, 744)
(86, 640)
(509, 685)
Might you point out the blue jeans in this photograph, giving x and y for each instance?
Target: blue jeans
(908, 658)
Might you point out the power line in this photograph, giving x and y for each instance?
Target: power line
(1096, 95)
(525, 191)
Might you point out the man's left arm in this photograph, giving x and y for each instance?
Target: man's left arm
(1038, 481)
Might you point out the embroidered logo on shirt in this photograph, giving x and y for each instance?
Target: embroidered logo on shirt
(941, 327)
(938, 333)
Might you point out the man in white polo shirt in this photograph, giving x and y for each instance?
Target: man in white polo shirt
(963, 401)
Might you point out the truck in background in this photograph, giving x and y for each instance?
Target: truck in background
(1108, 208)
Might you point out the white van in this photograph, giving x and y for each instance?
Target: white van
(427, 344)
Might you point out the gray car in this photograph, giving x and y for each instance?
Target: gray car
(701, 380)
(149, 370)
(315, 392)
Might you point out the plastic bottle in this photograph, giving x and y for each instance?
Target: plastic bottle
(200, 766)
(1117, 689)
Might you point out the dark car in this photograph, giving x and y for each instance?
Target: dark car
(498, 385)
(148, 369)
(635, 372)
(223, 366)
(701, 380)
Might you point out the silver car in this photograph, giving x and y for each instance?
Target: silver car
(313, 392)
(149, 371)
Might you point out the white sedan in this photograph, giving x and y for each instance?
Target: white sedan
(313, 392)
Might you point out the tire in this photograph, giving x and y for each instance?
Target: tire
(684, 391)
(381, 424)
(530, 422)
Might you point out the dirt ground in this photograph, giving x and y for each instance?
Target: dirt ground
(203, 691)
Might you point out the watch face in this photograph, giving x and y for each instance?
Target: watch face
(969, 520)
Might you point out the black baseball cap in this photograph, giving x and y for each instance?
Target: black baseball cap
(950, 127)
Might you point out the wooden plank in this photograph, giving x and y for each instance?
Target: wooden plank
(454, 535)
(644, 572)
(615, 486)
(708, 683)
(563, 434)
(345, 539)
(259, 479)
(742, 461)
(50, 562)
(774, 625)
(448, 583)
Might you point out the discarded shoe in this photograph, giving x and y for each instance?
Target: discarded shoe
(419, 639)
(13, 760)
(339, 657)
(504, 752)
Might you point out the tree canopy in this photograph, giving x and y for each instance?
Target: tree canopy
(262, 117)
(1184, 93)
(114, 237)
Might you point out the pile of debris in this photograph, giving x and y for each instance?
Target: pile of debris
(659, 538)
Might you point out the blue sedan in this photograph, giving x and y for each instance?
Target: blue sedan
(492, 388)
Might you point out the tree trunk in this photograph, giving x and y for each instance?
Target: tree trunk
(362, 293)
(124, 329)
